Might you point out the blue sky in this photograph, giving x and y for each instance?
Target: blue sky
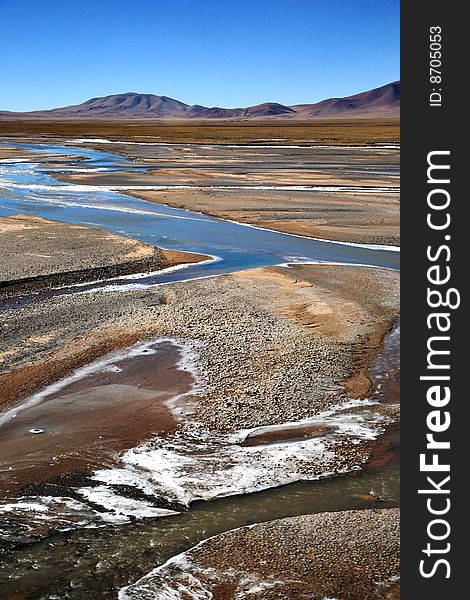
(216, 53)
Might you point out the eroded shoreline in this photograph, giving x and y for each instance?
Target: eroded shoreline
(252, 561)
(39, 254)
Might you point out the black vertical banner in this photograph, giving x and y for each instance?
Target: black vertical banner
(434, 118)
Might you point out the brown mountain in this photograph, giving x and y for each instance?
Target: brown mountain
(130, 105)
(380, 102)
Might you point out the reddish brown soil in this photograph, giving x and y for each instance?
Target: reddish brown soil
(89, 421)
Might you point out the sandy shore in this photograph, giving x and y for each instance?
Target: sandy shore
(349, 555)
(38, 253)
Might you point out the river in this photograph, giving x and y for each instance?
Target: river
(96, 561)
(30, 188)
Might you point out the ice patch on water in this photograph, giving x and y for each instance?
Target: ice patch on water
(136, 276)
(29, 517)
(182, 577)
(93, 140)
(73, 187)
(6, 172)
(67, 169)
(331, 263)
(193, 464)
(135, 287)
(23, 505)
(64, 202)
(12, 161)
(351, 244)
(248, 146)
(122, 506)
(173, 580)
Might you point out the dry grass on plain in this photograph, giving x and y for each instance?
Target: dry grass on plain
(335, 132)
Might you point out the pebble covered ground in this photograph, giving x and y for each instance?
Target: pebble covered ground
(33, 247)
(258, 363)
(348, 555)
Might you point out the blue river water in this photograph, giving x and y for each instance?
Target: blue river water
(30, 188)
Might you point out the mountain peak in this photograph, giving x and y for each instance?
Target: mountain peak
(383, 101)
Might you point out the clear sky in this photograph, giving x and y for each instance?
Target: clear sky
(212, 52)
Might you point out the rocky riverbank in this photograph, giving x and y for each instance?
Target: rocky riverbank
(38, 254)
(275, 346)
(269, 347)
(350, 555)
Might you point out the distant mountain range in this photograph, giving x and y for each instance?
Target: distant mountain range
(379, 102)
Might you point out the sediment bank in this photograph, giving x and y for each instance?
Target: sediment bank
(349, 555)
(262, 360)
(38, 254)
